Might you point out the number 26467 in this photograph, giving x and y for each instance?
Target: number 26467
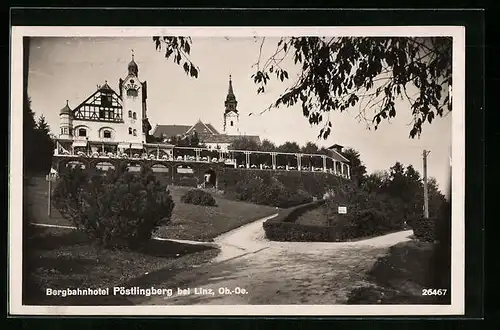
(434, 292)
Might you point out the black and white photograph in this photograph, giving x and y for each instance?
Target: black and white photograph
(230, 171)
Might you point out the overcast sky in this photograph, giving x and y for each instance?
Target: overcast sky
(70, 69)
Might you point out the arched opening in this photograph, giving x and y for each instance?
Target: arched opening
(210, 178)
(159, 168)
(104, 166)
(75, 164)
(134, 167)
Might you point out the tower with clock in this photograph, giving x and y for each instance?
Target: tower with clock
(133, 93)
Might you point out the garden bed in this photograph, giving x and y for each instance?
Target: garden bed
(62, 258)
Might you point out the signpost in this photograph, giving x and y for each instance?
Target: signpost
(342, 210)
(51, 177)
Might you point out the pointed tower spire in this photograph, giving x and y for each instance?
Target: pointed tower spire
(231, 102)
(133, 69)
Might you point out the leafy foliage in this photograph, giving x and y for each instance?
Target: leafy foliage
(115, 210)
(267, 190)
(178, 49)
(198, 197)
(358, 170)
(340, 73)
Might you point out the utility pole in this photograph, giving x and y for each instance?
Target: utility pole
(426, 192)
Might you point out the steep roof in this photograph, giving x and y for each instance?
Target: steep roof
(337, 156)
(201, 128)
(212, 128)
(170, 130)
(222, 138)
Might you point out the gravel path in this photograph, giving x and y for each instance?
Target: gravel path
(253, 270)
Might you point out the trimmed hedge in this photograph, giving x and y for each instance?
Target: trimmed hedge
(198, 197)
(284, 228)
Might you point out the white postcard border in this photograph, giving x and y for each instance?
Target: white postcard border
(457, 306)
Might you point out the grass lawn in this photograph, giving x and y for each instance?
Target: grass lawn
(203, 223)
(401, 275)
(189, 222)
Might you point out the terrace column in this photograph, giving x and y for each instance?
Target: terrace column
(260, 165)
(324, 163)
(342, 169)
(273, 159)
(348, 171)
(247, 159)
(197, 151)
(299, 161)
(57, 148)
(157, 152)
(334, 167)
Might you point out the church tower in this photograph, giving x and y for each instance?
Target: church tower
(134, 95)
(231, 116)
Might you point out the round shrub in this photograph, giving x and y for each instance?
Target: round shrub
(198, 197)
(118, 210)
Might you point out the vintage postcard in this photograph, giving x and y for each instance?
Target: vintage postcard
(237, 171)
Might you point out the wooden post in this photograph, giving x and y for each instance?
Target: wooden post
(49, 209)
(426, 191)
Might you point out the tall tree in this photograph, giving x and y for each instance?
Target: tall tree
(310, 148)
(244, 143)
(339, 73)
(267, 145)
(358, 170)
(42, 125)
(194, 140)
(290, 147)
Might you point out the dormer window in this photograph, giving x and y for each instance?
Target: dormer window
(232, 123)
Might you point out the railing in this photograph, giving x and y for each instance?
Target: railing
(223, 156)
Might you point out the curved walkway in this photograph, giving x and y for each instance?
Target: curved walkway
(272, 272)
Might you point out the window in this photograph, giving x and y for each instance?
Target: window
(130, 114)
(106, 134)
(231, 123)
(70, 131)
(134, 116)
(129, 130)
(135, 132)
(65, 130)
(62, 132)
(106, 100)
(132, 92)
(82, 132)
